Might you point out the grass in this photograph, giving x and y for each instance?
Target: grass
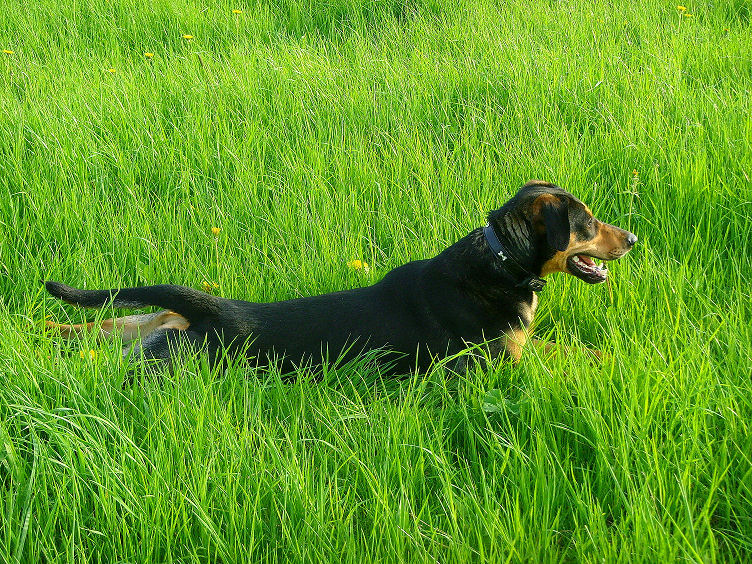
(314, 134)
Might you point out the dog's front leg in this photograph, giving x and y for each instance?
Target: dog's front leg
(548, 348)
(513, 341)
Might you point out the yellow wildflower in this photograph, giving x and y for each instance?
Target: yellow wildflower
(92, 354)
(149, 55)
(7, 51)
(681, 8)
(216, 230)
(187, 36)
(209, 287)
(358, 265)
(111, 70)
(689, 15)
(237, 11)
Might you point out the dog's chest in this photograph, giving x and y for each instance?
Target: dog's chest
(526, 311)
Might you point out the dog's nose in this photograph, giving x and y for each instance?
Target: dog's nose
(631, 239)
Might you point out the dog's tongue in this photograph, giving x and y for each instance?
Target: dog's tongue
(586, 259)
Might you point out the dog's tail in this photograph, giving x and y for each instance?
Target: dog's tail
(186, 301)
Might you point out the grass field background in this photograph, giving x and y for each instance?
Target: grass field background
(313, 134)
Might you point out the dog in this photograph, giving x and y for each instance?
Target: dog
(480, 291)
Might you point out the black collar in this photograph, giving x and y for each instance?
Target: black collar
(526, 278)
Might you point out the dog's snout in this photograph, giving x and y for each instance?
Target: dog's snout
(631, 239)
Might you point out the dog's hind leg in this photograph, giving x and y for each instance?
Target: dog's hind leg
(131, 327)
(159, 347)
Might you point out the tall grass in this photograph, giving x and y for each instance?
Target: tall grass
(317, 133)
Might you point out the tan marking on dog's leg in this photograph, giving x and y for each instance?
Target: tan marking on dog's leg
(131, 327)
(514, 340)
(548, 348)
(172, 320)
(139, 326)
(68, 331)
(104, 331)
(545, 347)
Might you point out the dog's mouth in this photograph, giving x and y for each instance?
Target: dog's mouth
(584, 268)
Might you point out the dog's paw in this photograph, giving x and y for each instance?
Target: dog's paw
(597, 356)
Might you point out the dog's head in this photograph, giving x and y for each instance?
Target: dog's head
(563, 235)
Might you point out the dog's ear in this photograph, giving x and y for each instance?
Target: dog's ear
(555, 215)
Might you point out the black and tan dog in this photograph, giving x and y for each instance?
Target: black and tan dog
(480, 290)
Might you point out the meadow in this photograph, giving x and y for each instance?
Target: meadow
(310, 135)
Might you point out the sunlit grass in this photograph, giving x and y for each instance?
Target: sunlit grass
(273, 150)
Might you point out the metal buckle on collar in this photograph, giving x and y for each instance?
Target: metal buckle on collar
(534, 283)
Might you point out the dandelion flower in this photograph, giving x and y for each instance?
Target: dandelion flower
(149, 55)
(209, 287)
(358, 265)
(111, 70)
(689, 15)
(681, 8)
(7, 51)
(215, 231)
(187, 36)
(92, 354)
(237, 11)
